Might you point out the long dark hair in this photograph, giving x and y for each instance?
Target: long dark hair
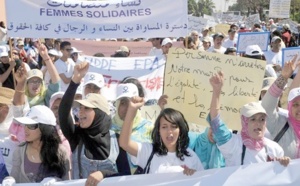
(52, 158)
(175, 117)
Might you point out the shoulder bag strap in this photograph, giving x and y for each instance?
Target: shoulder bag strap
(281, 133)
(147, 168)
(243, 154)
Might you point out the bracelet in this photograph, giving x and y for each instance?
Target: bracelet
(47, 59)
(21, 91)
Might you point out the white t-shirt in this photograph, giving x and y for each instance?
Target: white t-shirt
(66, 68)
(155, 52)
(8, 147)
(232, 152)
(165, 164)
(229, 43)
(273, 58)
(221, 50)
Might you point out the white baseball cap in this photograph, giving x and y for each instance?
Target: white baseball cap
(252, 108)
(127, 90)
(4, 54)
(53, 52)
(74, 50)
(94, 78)
(166, 41)
(54, 97)
(39, 114)
(293, 94)
(253, 50)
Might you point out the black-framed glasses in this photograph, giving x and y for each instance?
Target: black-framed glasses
(32, 127)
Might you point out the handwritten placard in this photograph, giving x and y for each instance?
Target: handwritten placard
(196, 23)
(148, 70)
(187, 84)
(97, 19)
(253, 38)
(279, 8)
(289, 53)
(150, 112)
(251, 20)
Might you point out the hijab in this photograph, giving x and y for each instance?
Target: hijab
(247, 140)
(294, 123)
(96, 137)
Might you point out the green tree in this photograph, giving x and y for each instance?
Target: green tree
(201, 7)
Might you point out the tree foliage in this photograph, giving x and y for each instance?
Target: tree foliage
(201, 7)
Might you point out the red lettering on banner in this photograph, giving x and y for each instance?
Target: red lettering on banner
(109, 80)
(155, 83)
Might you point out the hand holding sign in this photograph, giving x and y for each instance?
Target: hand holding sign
(217, 81)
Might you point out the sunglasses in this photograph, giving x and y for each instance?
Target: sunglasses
(69, 50)
(32, 127)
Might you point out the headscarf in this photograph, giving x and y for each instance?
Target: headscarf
(96, 137)
(294, 123)
(119, 122)
(39, 99)
(247, 140)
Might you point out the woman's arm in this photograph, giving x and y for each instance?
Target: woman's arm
(220, 131)
(125, 142)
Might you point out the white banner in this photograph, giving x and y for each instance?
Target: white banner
(253, 38)
(267, 174)
(279, 8)
(148, 70)
(96, 19)
(196, 23)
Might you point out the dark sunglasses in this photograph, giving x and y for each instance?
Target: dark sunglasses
(69, 50)
(32, 127)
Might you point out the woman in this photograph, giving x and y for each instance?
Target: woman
(284, 127)
(250, 146)
(94, 147)
(32, 85)
(41, 156)
(170, 142)
(142, 127)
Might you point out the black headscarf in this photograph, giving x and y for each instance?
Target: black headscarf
(96, 138)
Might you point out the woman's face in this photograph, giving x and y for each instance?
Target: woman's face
(4, 109)
(296, 108)
(55, 107)
(122, 109)
(34, 86)
(257, 126)
(169, 134)
(86, 116)
(32, 133)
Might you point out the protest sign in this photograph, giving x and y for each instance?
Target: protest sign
(293, 25)
(186, 82)
(222, 28)
(196, 23)
(279, 8)
(253, 38)
(150, 112)
(251, 20)
(289, 53)
(97, 19)
(148, 70)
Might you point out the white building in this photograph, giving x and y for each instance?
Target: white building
(222, 5)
